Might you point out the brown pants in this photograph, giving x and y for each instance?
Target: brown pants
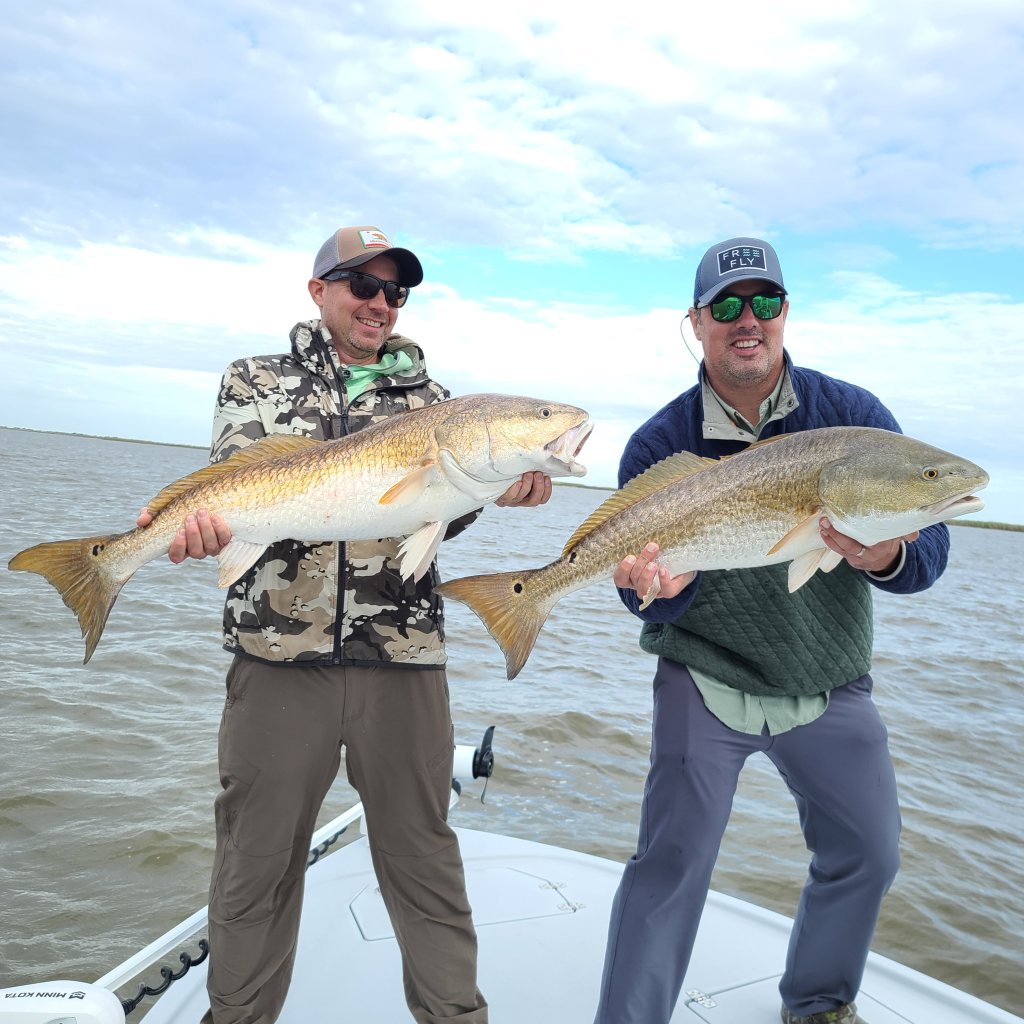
(280, 750)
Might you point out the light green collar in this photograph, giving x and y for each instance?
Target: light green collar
(358, 377)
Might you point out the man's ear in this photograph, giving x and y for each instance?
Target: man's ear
(316, 291)
(694, 315)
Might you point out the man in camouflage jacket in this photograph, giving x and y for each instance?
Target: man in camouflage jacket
(332, 647)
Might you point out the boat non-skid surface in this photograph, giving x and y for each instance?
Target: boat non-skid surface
(542, 915)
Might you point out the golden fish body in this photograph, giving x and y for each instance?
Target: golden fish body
(759, 507)
(407, 476)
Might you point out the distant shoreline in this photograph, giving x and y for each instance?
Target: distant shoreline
(1014, 527)
(107, 437)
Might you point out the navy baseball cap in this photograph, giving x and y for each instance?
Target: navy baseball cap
(735, 259)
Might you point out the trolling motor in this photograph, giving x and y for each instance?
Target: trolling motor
(474, 762)
(60, 1002)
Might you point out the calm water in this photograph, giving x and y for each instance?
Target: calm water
(108, 771)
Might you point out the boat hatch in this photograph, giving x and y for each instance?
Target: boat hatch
(499, 895)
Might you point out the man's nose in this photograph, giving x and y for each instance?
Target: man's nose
(746, 317)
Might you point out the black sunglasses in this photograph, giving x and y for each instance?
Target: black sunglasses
(727, 308)
(366, 286)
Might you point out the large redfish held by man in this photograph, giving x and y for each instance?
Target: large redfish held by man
(758, 507)
(407, 476)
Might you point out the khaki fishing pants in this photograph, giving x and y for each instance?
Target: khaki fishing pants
(280, 750)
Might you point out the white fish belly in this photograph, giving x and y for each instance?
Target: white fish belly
(337, 510)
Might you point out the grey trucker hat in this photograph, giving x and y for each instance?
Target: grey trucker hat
(736, 259)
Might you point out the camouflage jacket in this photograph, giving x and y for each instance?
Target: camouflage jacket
(325, 603)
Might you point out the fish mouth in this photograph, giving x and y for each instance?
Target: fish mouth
(564, 449)
(958, 505)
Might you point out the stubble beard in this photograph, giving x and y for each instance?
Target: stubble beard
(744, 373)
(359, 346)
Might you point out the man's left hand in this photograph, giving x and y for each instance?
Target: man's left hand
(877, 558)
(529, 490)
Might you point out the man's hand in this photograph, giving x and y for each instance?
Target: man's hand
(639, 572)
(878, 558)
(529, 490)
(202, 534)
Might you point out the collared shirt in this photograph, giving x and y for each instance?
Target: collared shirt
(724, 423)
(747, 712)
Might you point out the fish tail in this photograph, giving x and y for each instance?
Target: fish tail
(77, 569)
(509, 607)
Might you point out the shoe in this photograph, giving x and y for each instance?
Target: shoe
(845, 1014)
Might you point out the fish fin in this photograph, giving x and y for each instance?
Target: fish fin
(259, 451)
(803, 567)
(808, 549)
(669, 471)
(805, 535)
(411, 486)
(237, 558)
(652, 592)
(830, 560)
(507, 606)
(75, 568)
(418, 550)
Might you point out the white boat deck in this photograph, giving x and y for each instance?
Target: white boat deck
(542, 914)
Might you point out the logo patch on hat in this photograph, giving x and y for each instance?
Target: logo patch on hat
(374, 239)
(744, 257)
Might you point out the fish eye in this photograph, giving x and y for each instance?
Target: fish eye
(930, 473)
(545, 412)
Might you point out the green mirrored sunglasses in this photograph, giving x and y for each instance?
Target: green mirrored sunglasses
(726, 308)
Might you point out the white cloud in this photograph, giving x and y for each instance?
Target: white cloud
(169, 168)
(547, 120)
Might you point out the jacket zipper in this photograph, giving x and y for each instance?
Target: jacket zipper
(343, 404)
(339, 597)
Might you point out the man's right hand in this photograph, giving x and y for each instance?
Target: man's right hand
(638, 572)
(202, 534)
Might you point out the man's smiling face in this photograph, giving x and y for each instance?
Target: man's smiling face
(358, 327)
(745, 351)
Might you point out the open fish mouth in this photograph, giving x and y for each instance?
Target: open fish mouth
(564, 448)
(958, 505)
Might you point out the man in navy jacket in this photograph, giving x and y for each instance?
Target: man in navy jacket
(744, 666)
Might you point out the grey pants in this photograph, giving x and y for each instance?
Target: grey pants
(280, 750)
(840, 773)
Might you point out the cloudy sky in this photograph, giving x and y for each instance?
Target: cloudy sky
(169, 170)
